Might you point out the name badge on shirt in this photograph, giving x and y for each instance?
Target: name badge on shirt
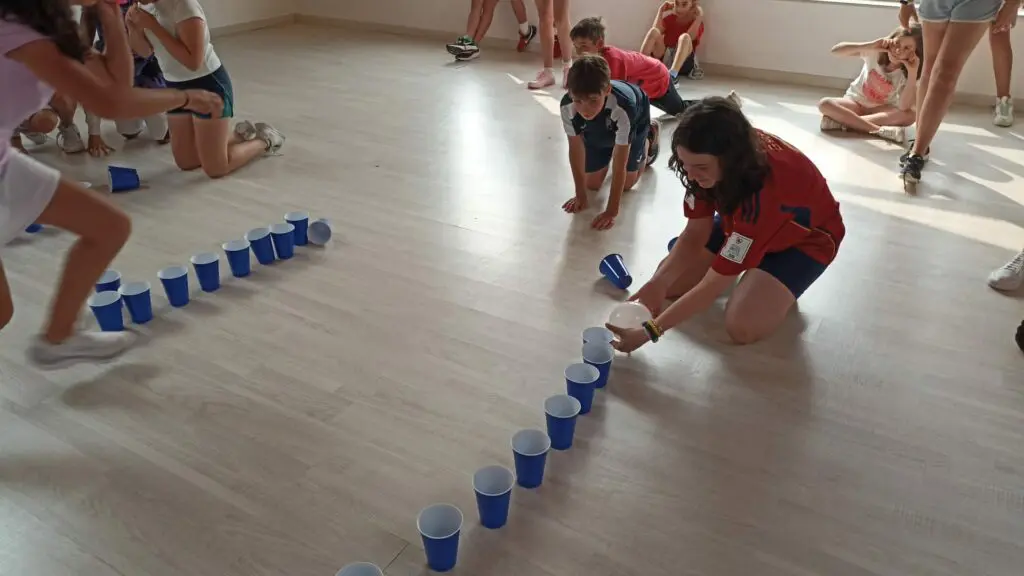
(691, 201)
(736, 248)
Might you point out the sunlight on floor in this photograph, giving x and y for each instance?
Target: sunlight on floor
(1011, 155)
(987, 230)
(951, 128)
(548, 102)
(801, 108)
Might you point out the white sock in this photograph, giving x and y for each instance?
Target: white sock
(524, 28)
(566, 63)
(550, 71)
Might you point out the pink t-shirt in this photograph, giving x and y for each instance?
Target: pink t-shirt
(21, 93)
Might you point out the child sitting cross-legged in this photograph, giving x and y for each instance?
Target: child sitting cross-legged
(638, 69)
(608, 123)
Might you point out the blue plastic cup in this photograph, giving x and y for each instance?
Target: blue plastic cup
(580, 380)
(561, 412)
(360, 569)
(600, 356)
(283, 235)
(123, 179)
(207, 266)
(530, 450)
(175, 281)
(493, 487)
(319, 232)
(109, 281)
(598, 334)
(440, 526)
(672, 242)
(239, 260)
(138, 299)
(106, 306)
(34, 227)
(614, 269)
(301, 222)
(262, 246)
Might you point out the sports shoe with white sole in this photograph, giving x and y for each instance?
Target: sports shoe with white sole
(1009, 276)
(95, 347)
(895, 134)
(1003, 116)
(37, 138)
(245, 131)
(69, 139)
(829, 125)
(270, 135)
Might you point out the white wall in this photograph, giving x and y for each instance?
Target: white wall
(782, 35)
(230, 12)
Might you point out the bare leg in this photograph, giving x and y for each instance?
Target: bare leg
(102, 230)
(594, 180)
(960, 40)
(654, 44)
(183, 142)
(486, 16)
(698, 261)
(520, 11)
(473, 20)
(65, 107)
(757, 307)
(683, 50)
(561, 23)
(43, 122)
(546, 26)
(1002, 62)
(932, 35)
(890, 117)
(846, 112)
(6, 304)
(220, 152)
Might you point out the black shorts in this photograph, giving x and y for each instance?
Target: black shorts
(599, 158)
(793, 267)
(217, 82)
(671, 102)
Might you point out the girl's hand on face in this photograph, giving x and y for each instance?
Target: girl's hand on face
(141, 19)
(886, 43)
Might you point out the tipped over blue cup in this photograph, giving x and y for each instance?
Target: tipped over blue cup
(239, 260)
(580, 382)
(138, 299)
(261, 244)
(319, 232)
(106, 306)
(207, 266)
(560, 412)
(301, 222)
(614, 269)
(109, 281)
(175, 281)
(123, 179)
(493, 487)
(600, 356)
(440, 526)
(283, 235)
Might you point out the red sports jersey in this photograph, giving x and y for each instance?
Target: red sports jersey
(673, 26)
(794, 208)
(637, 69)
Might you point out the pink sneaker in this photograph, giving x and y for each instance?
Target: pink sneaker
(544, 79)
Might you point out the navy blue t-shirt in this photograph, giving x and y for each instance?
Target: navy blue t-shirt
(626, 109)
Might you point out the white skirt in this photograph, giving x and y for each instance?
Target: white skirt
(26, 188)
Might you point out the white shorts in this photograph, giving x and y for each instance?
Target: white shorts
(26, 188)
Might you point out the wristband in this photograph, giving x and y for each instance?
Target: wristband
(654, 332)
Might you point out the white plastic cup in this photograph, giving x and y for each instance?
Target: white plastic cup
(360, 569)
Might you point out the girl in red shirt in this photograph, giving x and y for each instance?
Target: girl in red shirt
(755, 206)
(675, 35)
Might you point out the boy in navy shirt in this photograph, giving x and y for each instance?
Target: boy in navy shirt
(608, 122)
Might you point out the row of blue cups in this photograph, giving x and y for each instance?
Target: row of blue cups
(440, 525)
(268, 244)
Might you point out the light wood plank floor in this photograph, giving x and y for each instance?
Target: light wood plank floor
(298, 420)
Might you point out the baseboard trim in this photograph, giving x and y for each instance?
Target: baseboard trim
(242, 27)
(490, 42)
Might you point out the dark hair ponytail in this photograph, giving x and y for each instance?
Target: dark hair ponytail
(51, 18)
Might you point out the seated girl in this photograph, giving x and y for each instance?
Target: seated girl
(677, 31)
(880, 101)
(147, 75)
(756, 207)
(176, 32)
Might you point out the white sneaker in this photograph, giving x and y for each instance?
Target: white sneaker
(1010, 276)
(1004, 112)
(81, 347)
(69, 139)
(828, 124)
(270, 135)
(897, 134)
(735, 99)
(545, 78)
(245, 131)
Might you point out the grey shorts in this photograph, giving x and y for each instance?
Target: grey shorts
(959, 10)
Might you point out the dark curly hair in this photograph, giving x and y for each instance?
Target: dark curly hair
(51, 18)
(716, 126)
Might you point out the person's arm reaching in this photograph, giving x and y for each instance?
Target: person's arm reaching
(860, 48)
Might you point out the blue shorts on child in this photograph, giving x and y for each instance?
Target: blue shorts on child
(624, 120)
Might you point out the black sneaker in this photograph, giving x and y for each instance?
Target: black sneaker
(471, 53)
(911, 169)
(653, 142)
(524, 40)
(907, 152)
(460, 45)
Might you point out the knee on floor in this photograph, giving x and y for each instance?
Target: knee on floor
(741, 332)
(215, 172)
(187, 166)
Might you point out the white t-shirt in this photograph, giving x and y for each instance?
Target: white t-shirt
(170, 13)
(874, 86)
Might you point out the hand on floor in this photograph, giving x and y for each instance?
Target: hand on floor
(575, 204)
(604, 220)
(97, 147)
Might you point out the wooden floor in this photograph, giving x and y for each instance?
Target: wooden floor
(298, 420)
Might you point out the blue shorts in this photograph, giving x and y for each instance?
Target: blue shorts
(959, 10)
(599, 158)
(217, 82)
(794, 268)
